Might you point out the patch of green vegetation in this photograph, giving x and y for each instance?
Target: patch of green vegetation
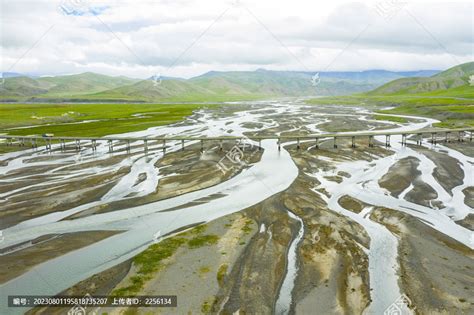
(325, 230)
(129, 311)
(203, 240)
(199, 229)
(206, 307)
(247, 228)
(104, 119)
(221, 272)
(148, 262)
(204, 270)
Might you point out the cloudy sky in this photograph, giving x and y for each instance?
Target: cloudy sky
(189, 37)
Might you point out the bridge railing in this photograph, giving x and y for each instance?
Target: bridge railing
(434, 132)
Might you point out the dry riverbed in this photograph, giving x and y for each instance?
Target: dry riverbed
(237, 264)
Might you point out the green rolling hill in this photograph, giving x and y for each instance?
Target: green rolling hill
(444, 82)
(25, 88)
(212, 86)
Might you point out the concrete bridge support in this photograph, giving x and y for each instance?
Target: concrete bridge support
(335, 142)
(94, 145)
(48, 144)
(461, 136)
(78, 145)
(182, 145)
(62, 145)
(317, 143)
(145, 145)
(164, 145)
(446, 137)
(111, 146)
(387, 141)
(202, 146)
(371, 141)
(404, 139)
(128, 146)
(419, 139)
(353, 145)
(298, 144)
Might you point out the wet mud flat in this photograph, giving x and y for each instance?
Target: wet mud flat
(436, 272)
(21, 258)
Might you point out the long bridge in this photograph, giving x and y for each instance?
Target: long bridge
(461, 134)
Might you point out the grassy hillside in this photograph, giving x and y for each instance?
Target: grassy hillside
(456, 77)
(18, 88)
(84, 83)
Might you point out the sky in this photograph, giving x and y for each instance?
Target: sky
(183, 38)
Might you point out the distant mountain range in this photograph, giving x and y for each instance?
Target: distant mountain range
(212, 86)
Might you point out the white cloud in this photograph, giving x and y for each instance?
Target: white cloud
(140, 38)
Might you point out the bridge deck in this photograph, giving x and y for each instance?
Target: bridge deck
(273, 137)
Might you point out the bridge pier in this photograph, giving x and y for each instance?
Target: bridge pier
(164, 146)
(279, 144)
(259, 144)
(94, 145)
(371, 141)
(404, 140)
(78, 145)
(220, 145)
(460, 136)
(387, 141)
(419, 139)
(111, 146)
(128, 146)
(145, 145)
(335, 142)
(182, 145)
(33, 143)
(353, 145)
(433, 138)
(47, 144)
(21, 142)
(470, 138)
(446, 137)
(202, 146)
(62, 145)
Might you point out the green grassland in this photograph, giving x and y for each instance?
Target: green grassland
(400, 120)
(453, 107)
(65, 119)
